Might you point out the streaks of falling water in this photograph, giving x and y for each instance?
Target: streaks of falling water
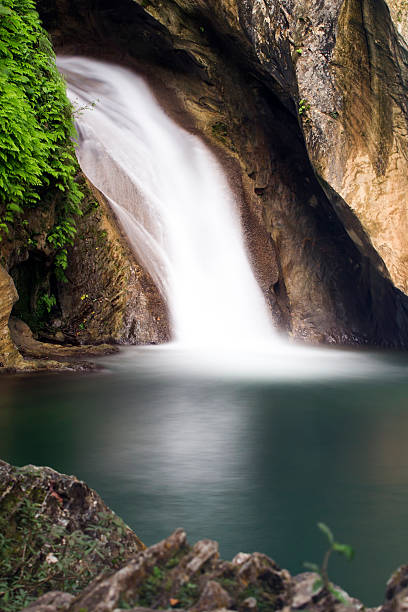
(174, 202)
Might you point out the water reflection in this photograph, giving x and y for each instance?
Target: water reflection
(192, 437)
(252, 463)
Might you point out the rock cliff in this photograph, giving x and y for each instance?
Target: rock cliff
(307, 102)
(108, 296)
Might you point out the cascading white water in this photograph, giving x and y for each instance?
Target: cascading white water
(174, 202)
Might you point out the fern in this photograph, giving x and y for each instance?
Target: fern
(36, 129)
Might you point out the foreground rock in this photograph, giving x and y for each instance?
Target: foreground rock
(21, 352)
(30, 347)
(174, 575)
(29, 355)
(61, 544)
(56, 533)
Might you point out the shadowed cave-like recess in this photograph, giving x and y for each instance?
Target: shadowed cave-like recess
(320, 286)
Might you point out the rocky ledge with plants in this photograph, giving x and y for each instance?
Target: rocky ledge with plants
(63, 549)
(65, 269)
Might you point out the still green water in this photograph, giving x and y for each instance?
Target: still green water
(253, 462)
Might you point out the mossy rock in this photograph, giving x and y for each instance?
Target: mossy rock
(55, 534)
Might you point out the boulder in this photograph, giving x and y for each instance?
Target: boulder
(30, 347)
(396, 596)
(57, 534)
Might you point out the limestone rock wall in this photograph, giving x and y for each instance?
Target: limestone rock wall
(356, 123)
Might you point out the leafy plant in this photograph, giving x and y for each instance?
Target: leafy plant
(45, 303)
(148, 592)
(77, 111)
(37, 556)
(304, 106)
(187, 594)
(37, 160)
(324, 581)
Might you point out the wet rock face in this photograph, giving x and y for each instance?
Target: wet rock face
(108, 296)
(357, 127)
(318, 138)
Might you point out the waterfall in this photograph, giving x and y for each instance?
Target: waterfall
(174, 202)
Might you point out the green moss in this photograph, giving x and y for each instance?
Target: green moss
(151, 588)
(37, 556)
(228, 584)
(220, 131)
(160, 582)
(187, 595)
(174, 561)
(263, 599)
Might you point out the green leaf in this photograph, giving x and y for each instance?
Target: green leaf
(312, 566)
(338, 595)
(4, 10)
(317, 585)
(14, 207)
(36, 151)
(344, 549)
(327, 531)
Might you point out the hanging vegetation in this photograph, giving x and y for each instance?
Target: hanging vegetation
(37, 161)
